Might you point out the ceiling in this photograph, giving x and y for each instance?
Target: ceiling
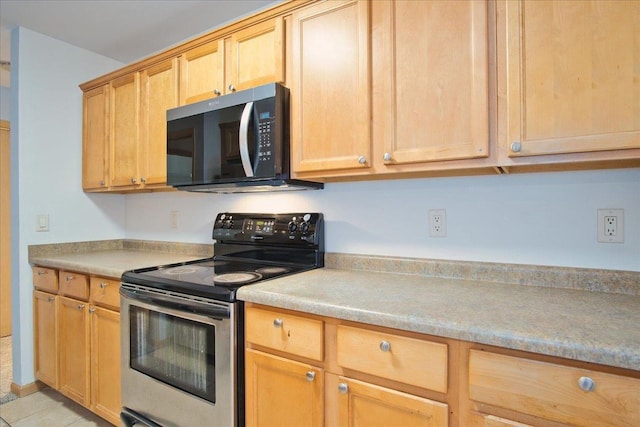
(125, 30)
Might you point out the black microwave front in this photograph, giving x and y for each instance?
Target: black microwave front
(234, 143)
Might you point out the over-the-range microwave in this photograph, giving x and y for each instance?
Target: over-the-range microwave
(234, 143)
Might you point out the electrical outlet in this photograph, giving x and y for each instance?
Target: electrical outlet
(173, 219)
(437, 223)
(611, 225)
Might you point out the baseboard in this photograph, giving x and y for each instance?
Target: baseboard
(27, 389)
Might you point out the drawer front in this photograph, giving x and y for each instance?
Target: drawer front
(105, 292)
(407, 360)
(553, 391)
(296, 335)
(482, 420)
(45, 279)
(74, 285)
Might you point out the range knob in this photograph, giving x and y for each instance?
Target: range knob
(292, 227)
(228, 224)
(304, 227)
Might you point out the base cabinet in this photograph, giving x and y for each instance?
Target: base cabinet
(105, 363)
(73, 334)
(45, 313)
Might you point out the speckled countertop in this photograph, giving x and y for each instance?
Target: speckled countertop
(598, 327)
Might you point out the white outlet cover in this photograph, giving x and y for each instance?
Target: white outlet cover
(604, 237)
(437, 223)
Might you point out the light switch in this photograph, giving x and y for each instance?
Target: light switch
(42, 223)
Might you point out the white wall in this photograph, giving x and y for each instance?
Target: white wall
(543, 219)
(46, 161)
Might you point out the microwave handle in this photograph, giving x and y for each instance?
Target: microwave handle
(244, 140)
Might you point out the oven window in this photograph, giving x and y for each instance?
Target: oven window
(176, 351)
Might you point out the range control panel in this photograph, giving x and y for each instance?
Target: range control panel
(281, 229)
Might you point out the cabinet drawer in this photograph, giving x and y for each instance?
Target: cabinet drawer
(105, 292)
(553, 392)
(285, 332)
(481, 420)
(45, 279)
(74, 285)
(407, 360)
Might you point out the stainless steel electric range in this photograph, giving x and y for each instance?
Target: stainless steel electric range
(182, 326)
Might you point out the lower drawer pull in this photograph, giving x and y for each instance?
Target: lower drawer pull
(385, 346)
(277, 323)
(343, 388)
(586, 384)
(69, 278)
(103, 285)
(311, 375)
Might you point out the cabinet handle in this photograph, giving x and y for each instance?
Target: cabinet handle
(343, 388)
(80, 306)
(216, 92)
(103, 285)
(362, 160)
(385, 346)
(386, 157)
(586, 384)
(92, 310)
(277, 323)
(232, 88)
(51, 299)
(101, 183)
(133, 180)
(143, 180)
(69, 278)
(41, 272)
(311, 375)
(516, 146)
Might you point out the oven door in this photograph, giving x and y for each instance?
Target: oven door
(178, 359)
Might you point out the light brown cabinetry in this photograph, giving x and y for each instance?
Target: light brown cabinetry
(77, 338)
(332, 374)
(202, 72)
(568, 80)
(95, 139)
(124, 114)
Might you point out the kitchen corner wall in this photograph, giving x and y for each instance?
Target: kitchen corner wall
(46, 167)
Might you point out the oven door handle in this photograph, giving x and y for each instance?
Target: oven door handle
(130, 418)
(185, 305)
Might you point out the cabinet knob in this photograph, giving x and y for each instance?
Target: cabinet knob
(80, 306)
(101, 183)
(277, 323)
(343, 388)
(103, 285)
(516, 146)
(143, 180)
(586, 384)
(217, 92)
(41, 272)
(362, 160)
(133, 180)
(69, 278)
(385, 346)
(232, 88)
(92, 310)
(311, 375)
(51, 299)
(386, 157)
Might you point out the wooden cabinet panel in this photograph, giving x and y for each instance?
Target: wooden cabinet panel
(572, 84)
(367, 405)
(105, 363)
(293, 334)
(330, 94)
(45, 312)
(73, 335)
(74, 285)
(281, 392)
(124, 108)
(255, 55)
(408, 360)
(45, 279)
(482, 420)
(552, 391)
(202, 72)
(435, 80)
(105, 292)
(95, 138)
(159, 92)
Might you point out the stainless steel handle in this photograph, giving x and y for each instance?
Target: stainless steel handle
(216, 92)
(232, 88)
(343, 388)
(143, 180)
(41, 272)
(244, 139)
(103, 285)
(51, 299)
(311, 375)
(586, 384)
(133, 180)
(80, 306)
(516, 146)
(385, 346)
(101, 183)
(386, 157)
(69, 278)
(362, 160)
(92, 310)
(277, 323)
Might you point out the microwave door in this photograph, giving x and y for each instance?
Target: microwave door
(244, 140)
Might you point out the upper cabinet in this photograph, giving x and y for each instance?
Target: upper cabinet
(95, 139)
(569, 79)
(124, 109)
(202, 72)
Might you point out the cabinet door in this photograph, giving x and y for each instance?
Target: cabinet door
(436, 81)
(255, 56)
(367, 405)
(202, 72)
(45, 313)
(105, 363)
(73, 335)
(281, 392)
(124, 130)
(572, 83)
(159, 92)
(95, 138)
(330, 96)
